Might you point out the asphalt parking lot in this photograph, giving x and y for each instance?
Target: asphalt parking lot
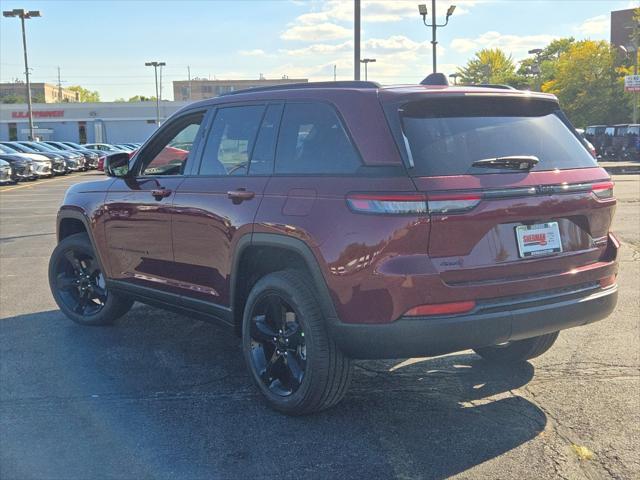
(160, 395)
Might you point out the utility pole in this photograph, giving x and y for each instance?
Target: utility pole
(160, 97)
(422, 9)
(334, 72)
(59, 86)
(155, 66)
(189, 77)
(24, 14)
(356, 39)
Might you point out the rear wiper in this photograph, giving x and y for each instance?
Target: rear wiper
(513, 162)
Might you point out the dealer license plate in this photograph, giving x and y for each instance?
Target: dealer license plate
(538, 239)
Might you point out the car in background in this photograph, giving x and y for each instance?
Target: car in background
(101, 155)
(41, 167)
(77, 161)
(20, 151)
(5, 172)
(21, 167)
(102, 151)
(614, 140)
(631, 144)
(91, 157)
(102, 147)
(595, 135)
(125, 147)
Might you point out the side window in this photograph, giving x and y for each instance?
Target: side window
(168, 154)
(231, 140)
(313, 141)
(265, 149)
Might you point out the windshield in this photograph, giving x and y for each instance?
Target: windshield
(7, 149)
(39, 147)
(445, 137)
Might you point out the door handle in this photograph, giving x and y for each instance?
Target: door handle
(240, 195)
(160, 193)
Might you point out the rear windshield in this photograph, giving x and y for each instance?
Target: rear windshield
(445, 136)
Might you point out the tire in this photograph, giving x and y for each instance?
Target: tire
(326, 372)
(78, 284)
(519, 350)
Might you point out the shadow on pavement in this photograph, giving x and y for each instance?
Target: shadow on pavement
(163, 396)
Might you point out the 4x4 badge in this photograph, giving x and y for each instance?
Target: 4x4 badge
(544, 189)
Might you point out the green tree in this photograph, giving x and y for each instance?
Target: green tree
(491, 65)
(85, 94)
(542, 67)
(142, 98)
(589, 84)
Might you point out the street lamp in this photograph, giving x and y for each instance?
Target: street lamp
(455, 77)
(25, 15)
(422, 9)
(155, 66)
(535, 69)
(367, 61)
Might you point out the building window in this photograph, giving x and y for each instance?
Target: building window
(207, 89)
(13, 132)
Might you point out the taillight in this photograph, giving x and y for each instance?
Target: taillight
(602, 190)
(441, 309)
(387, 203)
(452, 203)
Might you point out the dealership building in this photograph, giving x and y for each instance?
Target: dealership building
(104, 122)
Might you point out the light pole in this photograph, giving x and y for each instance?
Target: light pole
(455, 78)
(367, 61)
(356, 39)
(25, 15)
(155, 66)
(434, 26)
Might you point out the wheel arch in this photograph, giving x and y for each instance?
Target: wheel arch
(261, 253)
(71, 221)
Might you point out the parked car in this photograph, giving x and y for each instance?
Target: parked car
(124, 147)
(22, 168)
(342, 220)
(631, 144)
(75, 162)
(6, 174)
(91, 158)
(104, 154)
(57, 162)
(595, 135)
(614, 141)
(102, 147)
(42, 167)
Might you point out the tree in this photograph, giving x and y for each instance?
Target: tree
(142, 98)
(84, 94)
(491, 65)
(589, 84)
(542, 67)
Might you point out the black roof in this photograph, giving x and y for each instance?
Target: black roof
(306, 85)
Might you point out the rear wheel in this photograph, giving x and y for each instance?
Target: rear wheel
(291, 358)
(519, 350)
(79, 285)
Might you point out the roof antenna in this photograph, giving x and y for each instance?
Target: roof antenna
(436, 79)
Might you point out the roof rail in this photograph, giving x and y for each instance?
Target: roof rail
(492, 85)
(303, 85)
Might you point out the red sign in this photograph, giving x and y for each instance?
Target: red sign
(39, 114)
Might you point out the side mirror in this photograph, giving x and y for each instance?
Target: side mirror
(117, 165)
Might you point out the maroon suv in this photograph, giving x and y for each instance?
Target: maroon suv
(336, 221)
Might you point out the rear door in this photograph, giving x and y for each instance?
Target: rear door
(216, 205)
(497, 224)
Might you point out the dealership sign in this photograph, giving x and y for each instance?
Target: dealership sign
(632, 83)
(39, 114)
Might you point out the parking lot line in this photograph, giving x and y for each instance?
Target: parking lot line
(40, 182)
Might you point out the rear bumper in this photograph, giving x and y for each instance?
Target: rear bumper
(492, 324)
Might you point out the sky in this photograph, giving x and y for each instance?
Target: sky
(103, 45)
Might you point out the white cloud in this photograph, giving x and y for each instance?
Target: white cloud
(257, 52)
(320, 49)
(516, 45)
(594, 26)
(316, 32)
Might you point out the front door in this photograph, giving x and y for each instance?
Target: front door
(138, 209)
(217, 205)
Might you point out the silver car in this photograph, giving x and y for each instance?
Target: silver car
(5, 172)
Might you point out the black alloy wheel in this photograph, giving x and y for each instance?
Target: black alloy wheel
(277, 344)
(80, 283)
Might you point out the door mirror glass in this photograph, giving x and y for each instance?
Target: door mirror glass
(117, 165)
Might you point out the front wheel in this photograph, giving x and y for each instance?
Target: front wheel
(79, 286)
(518, 350)
(292, 359)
